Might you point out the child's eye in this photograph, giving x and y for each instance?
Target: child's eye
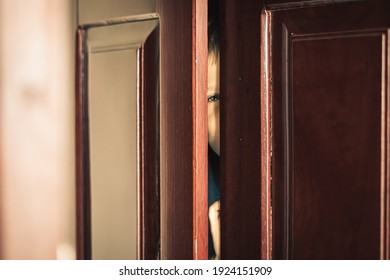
(213, 98)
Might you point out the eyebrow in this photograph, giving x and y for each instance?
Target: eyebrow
(212, 94)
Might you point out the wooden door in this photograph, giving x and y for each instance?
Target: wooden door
(325, 110)
(240, 130)
(172, 146)
(183, 131)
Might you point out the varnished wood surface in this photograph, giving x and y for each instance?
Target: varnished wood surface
(266, 140)
(288, 4)
(199, 128)
(330, 131)
(149, 165)
(240, 130)
(336, 148)
(183, 131)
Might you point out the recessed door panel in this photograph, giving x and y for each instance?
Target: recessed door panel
(334, 146)
(326, 113)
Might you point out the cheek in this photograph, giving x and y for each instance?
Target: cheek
(213, 126)
(213, 117)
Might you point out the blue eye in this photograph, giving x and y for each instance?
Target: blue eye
(213, 98)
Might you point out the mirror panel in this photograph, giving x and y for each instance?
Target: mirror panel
(113, 158)
(109, 125)
(127, 33)
(97, 10)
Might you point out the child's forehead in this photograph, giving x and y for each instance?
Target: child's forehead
(213, 65)
(212, 58)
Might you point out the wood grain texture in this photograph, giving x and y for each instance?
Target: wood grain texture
(266, 138)
(183, 130)
(240, 130)
(199, 128)
(330, 131)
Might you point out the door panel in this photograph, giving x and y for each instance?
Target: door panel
(327, 97)
(240, 130)
(335, 140)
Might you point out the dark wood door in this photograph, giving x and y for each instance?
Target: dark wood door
(325, 108)
(183, 131)
(240, 130)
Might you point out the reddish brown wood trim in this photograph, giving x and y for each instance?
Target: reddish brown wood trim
(199, 126)
(149, 150)
(266, 137)
(83, 211)
(386, 149)
(140, 155)
(294, 4)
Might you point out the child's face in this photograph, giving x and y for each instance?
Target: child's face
(213, 102)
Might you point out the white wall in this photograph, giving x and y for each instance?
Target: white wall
(37, 152)
(37, 181)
